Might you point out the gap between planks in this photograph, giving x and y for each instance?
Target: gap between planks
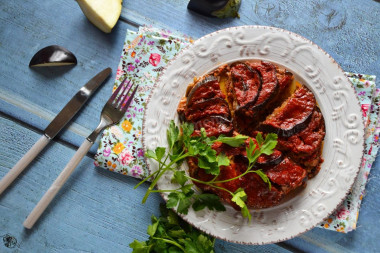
(36, 130)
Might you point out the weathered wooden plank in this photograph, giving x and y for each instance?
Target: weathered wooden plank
(350, 35)
(95, 211)
(346, 29)
(25, 28)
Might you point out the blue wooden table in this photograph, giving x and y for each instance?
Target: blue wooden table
(97, 210)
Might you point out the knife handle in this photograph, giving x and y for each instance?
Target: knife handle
(57, 185)
(23, 163)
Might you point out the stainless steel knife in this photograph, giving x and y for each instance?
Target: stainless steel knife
(56, 125)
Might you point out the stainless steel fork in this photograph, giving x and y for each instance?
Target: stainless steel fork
(112, 113)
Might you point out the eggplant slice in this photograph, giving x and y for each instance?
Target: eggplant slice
(212, 106)
(309, 140)
(287, 174)
(205, 89)
(246, 85)
(53, 56)
(270, 86)
(293, 115)
(284, 78)
(258, 193)
(270, 160)
(214, 126)
(248, 118)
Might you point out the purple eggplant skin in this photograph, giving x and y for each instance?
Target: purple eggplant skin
(206, 7)
(202, 83)
(272, 160)
(301, 125)
(215, 8)
(214, 125)
(203, 107)
(53, 56)
(253, 101)
(269, 80)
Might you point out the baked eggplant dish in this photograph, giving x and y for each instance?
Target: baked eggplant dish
(254, 98)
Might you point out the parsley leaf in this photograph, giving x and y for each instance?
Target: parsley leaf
(222, 160)
(210, 168)
(153, 228)
(181, 199)
(169, 236)
(198, 244)
(259, 139)
(239, 197)
(172, 134)
(179, 177)
(264, 177)
(187, 131)
(252, 153)
(151, 154)
(269, 144)
(211, 201)
(235, 141)
(160, 152)
(140, 247)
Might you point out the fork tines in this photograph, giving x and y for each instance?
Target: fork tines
(120, 98)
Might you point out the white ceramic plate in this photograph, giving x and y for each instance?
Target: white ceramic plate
(343, 146)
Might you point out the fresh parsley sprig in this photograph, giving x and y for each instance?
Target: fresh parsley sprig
(181, 145)
(169, 233)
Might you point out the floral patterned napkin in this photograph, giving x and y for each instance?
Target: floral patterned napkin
(345, 217)
(145, 54)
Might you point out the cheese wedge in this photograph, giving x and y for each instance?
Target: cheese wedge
(104, 14)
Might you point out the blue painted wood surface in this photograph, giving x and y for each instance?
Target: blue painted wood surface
(97, 210)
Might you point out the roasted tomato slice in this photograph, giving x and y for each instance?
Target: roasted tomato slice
(205, 89)
(212, 106)
(214, 126)
(246, 84)
(293, 115)
(287, 174)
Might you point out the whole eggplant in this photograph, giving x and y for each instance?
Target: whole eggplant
(216, 8)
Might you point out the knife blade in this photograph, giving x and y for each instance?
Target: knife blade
(56, 125)
(73, 106)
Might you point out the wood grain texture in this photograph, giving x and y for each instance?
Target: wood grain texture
(21, 164)
(26, 27)
(95, 211)
(348, 30)
(98, 211)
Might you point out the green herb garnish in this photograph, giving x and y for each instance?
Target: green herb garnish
(183, 145)
(171, 234)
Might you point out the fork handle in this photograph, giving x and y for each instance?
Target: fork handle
(57, 185)
(23, 163)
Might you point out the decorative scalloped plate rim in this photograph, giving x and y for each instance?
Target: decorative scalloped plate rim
(343, 146)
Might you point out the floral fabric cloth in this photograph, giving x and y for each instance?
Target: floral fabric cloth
(145, 54)
(345, 217)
